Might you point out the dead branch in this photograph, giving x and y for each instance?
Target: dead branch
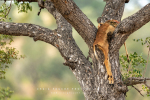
(147, 85)
(138, 90)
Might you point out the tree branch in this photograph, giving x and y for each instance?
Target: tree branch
(138, 90)
(113, 10)
(128, 26)
(135, 80)
(71, 12)
(25, 29)
(147, 85)
(69, 49)
(81, 67)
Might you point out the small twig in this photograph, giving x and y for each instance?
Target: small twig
(147, 85)
(145, 82)
(9, 9)
(138, 90)
(129, 66)
(127, 1)
(40, 11)
(126, 52)
(147, 61)
(41, 5)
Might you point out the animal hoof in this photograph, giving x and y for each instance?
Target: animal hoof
(110, 79)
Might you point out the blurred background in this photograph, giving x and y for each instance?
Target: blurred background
(41, 75)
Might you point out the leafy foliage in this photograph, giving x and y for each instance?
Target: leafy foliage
(143, 42)
(23, 6)
(146, 89)
(5, 93)
(7, 55)
(133, 68)
(136, 65)
(4, 11)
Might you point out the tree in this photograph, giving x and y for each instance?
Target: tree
(92, 79)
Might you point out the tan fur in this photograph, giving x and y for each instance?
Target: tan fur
(101, 41)
(126, 52)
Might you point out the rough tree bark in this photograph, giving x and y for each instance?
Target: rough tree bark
(93, 80)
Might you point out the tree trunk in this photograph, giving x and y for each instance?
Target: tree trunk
(96, 86)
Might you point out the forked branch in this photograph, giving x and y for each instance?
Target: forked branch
(71, 12)
(128, 26)
(66, 44)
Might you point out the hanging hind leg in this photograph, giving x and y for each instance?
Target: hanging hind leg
(107, 63)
